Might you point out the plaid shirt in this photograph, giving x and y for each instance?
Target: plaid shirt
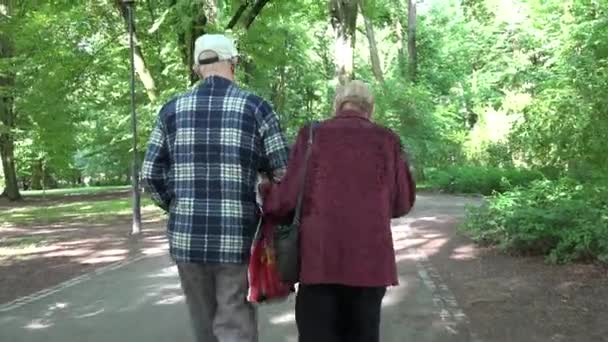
(201, 166)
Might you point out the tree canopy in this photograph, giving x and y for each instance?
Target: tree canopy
(490, 83)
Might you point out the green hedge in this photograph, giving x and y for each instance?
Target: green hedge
(478, 179)
(563, 219)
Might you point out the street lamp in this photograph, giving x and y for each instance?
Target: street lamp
(136, 227)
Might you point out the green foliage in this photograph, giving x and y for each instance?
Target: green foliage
(564, 220)
(479, 179)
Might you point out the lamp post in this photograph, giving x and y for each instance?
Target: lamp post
(136, 227)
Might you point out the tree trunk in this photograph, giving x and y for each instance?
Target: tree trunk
(237, 15)
(186, 39)
(255, 11)
(141, 68)
(158, 41)
(401, 55)
(206, 16)
(48, 181)
(411, 40)
(373, 49)
(36, 182)
(7, 113)
(343, 15)
(7, 154)
(210, 9)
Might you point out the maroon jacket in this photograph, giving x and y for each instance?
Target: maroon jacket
(356, 182)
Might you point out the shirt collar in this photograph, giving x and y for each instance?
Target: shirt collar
(350, 113)
(217, 81)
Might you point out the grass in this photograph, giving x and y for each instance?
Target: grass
(423, 186)
(77, 210)
(91, 190)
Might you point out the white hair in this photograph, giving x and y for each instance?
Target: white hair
(356, 93)
(213, 68)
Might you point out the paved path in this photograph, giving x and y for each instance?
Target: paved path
(142, 301)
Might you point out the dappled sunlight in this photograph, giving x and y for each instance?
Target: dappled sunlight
(39, 324)
(90, 310)
(432, 236)
(50, 231)
(410, 256)
(12, 230)
(167, 272)
(109, 252)
(155, 250)
(176, 286)
(153, 220)
(285, 318)
(90, 314)
(404, 238)
(49, 212)
(101, 259)
(83, 241)
(433, 246)
(466, 252)
(4, 251)
(404, 222)
(421, 235)
(45, 320)
(58, 306)
(67, 253)
(159, 294)
(169, 300)
(405, 243)
(396, 295)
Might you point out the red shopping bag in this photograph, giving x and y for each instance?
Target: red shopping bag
(264, 282)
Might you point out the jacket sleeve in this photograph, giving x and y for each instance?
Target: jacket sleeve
(275, 145)
(280, 198)
(156, 166)
(405, 187)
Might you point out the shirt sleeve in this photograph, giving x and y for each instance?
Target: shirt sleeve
(155, 169)
(405, 187)
(275, 145)
(280, 198)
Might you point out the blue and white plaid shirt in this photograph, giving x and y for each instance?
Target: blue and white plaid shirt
(201, 166)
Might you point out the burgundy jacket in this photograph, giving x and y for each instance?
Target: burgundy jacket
(356, 182)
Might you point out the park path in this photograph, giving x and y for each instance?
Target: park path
(141, 299)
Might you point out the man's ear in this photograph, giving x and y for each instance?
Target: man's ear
(196, 70)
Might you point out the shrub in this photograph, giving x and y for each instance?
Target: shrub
(478, 179)
(563, 219)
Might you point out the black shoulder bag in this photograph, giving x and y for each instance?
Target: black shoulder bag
(287, 238)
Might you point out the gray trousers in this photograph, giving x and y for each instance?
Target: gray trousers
(217, 299)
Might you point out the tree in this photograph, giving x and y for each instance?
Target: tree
(399, 34)
(373, 49)
(343, 18)
(7, 110)
(411, 39)
(141, 68)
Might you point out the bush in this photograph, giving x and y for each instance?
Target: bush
(563, 219)
(478, 179)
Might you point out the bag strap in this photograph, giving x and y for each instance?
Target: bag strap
(298, 213)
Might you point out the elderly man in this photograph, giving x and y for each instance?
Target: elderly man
(201, 167)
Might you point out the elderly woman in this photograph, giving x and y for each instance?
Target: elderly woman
(357, 180)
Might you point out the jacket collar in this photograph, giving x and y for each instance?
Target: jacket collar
(350, 113)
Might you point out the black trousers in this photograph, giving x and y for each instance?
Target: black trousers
(336, 313)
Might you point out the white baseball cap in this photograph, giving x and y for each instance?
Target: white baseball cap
(218, 43)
